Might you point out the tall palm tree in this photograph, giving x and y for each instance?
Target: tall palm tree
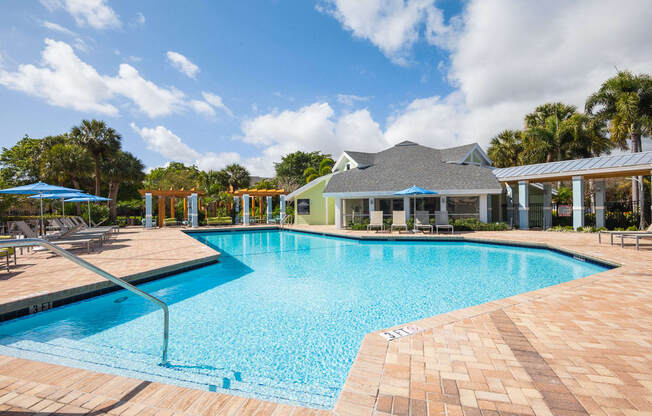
(505, 148)
(99, 140)
(66, 163)
(238, 176)
(625, 102)
(121, 167)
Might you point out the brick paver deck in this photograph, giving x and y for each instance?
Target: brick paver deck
(581, 347)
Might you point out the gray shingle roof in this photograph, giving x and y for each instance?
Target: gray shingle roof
(455, 154)
(408, 164)
(361, 158)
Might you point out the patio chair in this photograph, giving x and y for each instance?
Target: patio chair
(398, 220)
(8, 251)
(170, 222)
(376, 221)
(636, 237)
(422, 221)
(24, 229)
(441, 221)
(621, 234)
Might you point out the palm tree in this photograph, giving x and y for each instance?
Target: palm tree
(66, 163)
(121, 167)
(99, 140)
(310, 174)
(625, 102)
(505, 148)
(238, 176)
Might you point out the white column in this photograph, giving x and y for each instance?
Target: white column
(372, 205)
(193, 211)
(338, 213)
(600, 199)
(523, 205)
(148, 210)
(407, 207)
(483, 208)
(245, 209)
(325, 211)
(442, 203)
(236, 201)
(509, 203)
(269, 209)
(578, 202)
(282, 206)
(490, 214)
(547, 206)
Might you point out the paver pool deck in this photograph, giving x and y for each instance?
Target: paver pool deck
(581, 347)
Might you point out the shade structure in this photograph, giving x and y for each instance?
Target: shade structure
(88, 198)
(38, 188)
(415, 190)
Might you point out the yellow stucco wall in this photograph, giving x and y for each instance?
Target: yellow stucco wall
(317, 206)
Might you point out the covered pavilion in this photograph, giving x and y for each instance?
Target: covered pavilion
(517, 178)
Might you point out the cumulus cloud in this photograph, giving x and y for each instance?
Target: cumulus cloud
(183, 64)
(94, 13)
(504, 58)
(66, 81)
(169, 145)
(312, 127)
(216, 101)
(391, 25)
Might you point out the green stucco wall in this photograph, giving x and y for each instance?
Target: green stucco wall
(317, 207)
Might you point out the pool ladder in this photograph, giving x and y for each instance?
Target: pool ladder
(29, 242)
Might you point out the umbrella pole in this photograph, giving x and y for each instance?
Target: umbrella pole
(63, 208)
(40, 197)
(90, 223)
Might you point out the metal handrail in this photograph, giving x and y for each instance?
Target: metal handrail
(283, 219)
(28, 242)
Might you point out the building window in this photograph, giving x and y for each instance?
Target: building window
(303, 206)
(463, 206)
(348, 166)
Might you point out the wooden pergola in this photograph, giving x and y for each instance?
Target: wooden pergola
(172, 194)
(260, 194)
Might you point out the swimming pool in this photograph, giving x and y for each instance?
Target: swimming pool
(282, 315)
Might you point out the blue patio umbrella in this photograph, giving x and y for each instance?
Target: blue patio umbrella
(62, 196)
(89, 199)
(415, 190)
(38, 188)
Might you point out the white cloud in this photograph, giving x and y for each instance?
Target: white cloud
(202, 107)
(350, 99)
(392, 25)
(66, 81)
(170, 146)
(63, 81)
(183, 64)
(216, 101)
(93, 13)
(140, 18)
(504, 58)
(310, 128)
(58, 28)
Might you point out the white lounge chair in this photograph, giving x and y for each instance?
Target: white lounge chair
(376, 221)
(441, 221)
(422, 221)
(398, 220)
(620, 234)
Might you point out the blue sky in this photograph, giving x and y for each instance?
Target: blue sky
(210, 83)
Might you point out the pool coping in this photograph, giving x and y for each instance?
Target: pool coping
(42, 302)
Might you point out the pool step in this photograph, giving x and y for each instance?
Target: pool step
(116, 360)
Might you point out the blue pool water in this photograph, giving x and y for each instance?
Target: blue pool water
(282, 315)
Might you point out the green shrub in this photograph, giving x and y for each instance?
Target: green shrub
(474, 224)
(632, 228)
(579, 229)
(361, 225)
(601, 229)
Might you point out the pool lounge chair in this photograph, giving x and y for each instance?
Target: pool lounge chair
(376, 221)
(636, 237)
(441, 221)
(620, 234)
(422, 221)
(398, 220)
(103, 228)
(9, 251)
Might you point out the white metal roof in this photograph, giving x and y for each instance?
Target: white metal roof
(614, 163)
